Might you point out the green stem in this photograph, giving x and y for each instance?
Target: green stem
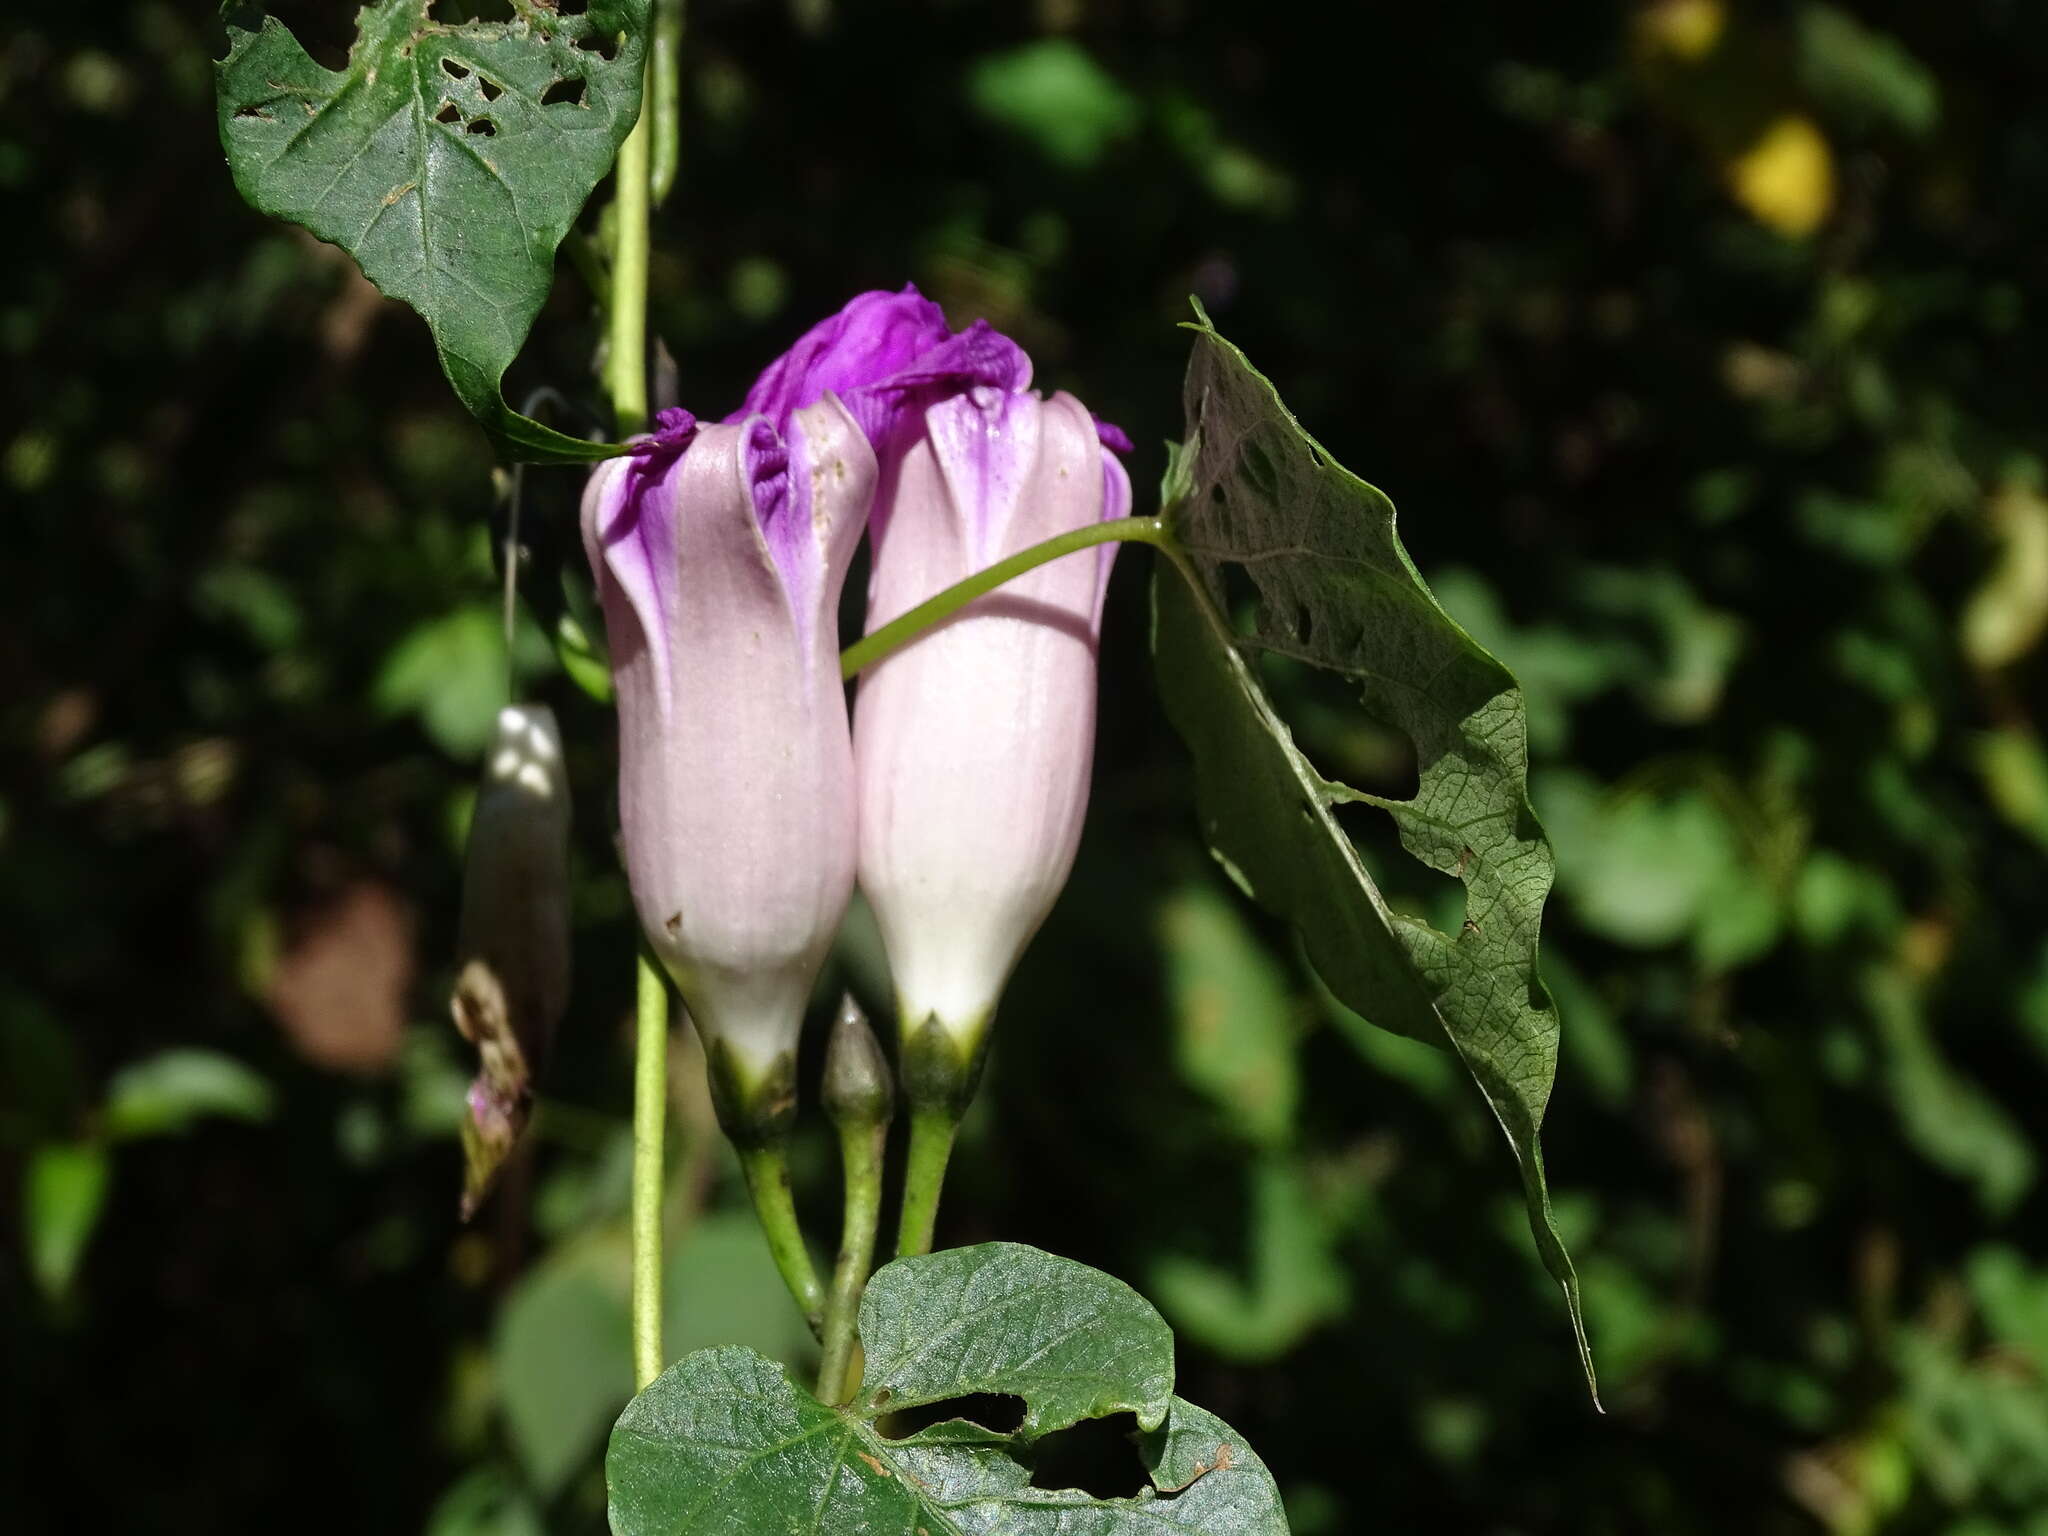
(650, 1103)
(931, 1146)
(860, 1153)
(625, 366)
(899, 632)
(767, 1171)
(665, 94)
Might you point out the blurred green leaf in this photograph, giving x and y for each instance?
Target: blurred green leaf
(2014, 769)
(1649, 869)
(725, 1443)
(1295, 1283)
(451, 672)
(448, 159)
(64, 1189)
(2014, 1300)
(485, 1503)
(1557, 668)
(721, 1287)
(257, 601)
(1052, 93)
(1954, 1123)
(1865, 75)
(168, 1092)
(1233, 1015)
(2007, 615)
(1336, 589)
(564, 1357)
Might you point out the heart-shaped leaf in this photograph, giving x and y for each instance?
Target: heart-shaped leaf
(448, 159)
(725, 1444)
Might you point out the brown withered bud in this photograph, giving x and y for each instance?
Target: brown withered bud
(512, 962)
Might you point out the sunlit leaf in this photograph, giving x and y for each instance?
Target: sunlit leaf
(448, 158)
(724, 1442)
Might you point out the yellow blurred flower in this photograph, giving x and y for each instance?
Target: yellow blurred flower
(1683, 29)
(1786, 179)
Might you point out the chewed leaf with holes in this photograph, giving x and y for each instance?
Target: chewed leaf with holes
(725, 1444)
(448, 159)
(1334, 588)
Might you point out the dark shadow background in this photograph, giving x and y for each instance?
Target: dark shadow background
(1699, 343)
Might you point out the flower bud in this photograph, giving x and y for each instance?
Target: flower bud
(719, 554)
(972, 744)
(857, 1093)
(512, 960)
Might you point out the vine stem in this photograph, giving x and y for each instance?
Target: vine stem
(625, 365)
(860, 1151)
(767, 1173)
(625, 377)
(924, 1176)
(900, 631)
(650, 1104)
(664, 94)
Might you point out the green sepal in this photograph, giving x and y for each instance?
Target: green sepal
(756, 1107)
(941, 1067)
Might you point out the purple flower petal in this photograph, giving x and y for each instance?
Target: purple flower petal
(876, 335)
(887, 356)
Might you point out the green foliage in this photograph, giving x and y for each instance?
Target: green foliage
(63, 1191)
(451, 672)
(1745, 515)
(173, 1090)
(448, 160)
(563, 1356)
(725, 1442)
(1254, 494)
(1055, 95)
(1233, 1034)
(1295, 1284)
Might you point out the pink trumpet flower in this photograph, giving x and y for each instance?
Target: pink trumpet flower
(720, 552)
(972, 744)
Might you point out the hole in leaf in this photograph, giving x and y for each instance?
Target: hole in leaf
(1241, 598)
(491, 89)
(453, 70)
(1410, 886)
(447, 114)
(567, 92)
(255, 112)
(1097, 1456)
(482, 125)
(1257, 466)
(999, 1412)
(603, 44)
(1338, 734)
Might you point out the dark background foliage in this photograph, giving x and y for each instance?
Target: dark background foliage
(1696, 341)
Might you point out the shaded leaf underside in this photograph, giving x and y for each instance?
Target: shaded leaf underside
(1335, 589)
